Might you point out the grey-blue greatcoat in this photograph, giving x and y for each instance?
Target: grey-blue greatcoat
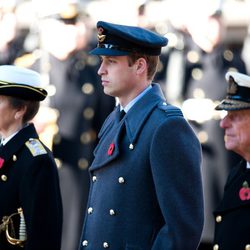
(146, 190)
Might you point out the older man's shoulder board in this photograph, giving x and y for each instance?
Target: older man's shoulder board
(169, 109)
(35, 147)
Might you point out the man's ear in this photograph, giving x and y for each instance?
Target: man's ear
(141, 65)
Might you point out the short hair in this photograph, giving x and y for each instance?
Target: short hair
(152, 63)
(32, 107)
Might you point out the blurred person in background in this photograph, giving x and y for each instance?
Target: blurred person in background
(12, 36)
(200, 66)
(232, 214)
(31, 205)
(144, 21)
(80, 107)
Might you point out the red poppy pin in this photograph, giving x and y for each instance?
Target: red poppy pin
(245, 191)
(111, 148)
(1, 162)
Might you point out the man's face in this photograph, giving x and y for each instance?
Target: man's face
(118, 78)
(237, 131)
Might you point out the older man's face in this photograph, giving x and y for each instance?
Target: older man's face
(237, 131)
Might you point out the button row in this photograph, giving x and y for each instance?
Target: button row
(104, 244)
(216, 247)
(111, 211)
(121, 180)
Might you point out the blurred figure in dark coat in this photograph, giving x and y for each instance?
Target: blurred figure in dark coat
(80, 106)
(12, 36)
(203, 62)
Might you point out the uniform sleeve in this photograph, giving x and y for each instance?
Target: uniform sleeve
(175, 157)
(41, 201)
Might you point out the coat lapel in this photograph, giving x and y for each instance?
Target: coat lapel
(108, 148)
(232, 198)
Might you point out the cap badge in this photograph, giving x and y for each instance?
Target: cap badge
(232, 87)
(100, 36)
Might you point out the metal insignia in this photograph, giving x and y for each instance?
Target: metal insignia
(35, 147)
(232, 87)
(100, 36)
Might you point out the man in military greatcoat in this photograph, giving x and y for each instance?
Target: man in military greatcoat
(146, 190)
(232, 215)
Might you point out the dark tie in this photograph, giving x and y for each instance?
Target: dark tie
(121, 115)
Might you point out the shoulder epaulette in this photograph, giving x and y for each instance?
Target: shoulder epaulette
(35, 147)
(170, 110)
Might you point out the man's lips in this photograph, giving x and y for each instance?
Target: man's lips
(105, 82)
(226, 136)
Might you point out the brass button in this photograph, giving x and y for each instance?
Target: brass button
(112, 212)
(105, 245)
(85, 243)
(203, 136)
(193, 56)
(88, 88)
(58, 163)
(57, 139)
(4, 177)
(94, 178)
(90, 210)
(216, 247)
(247, 247)
(83, 164)
(218, 219)
(88, 113)
(14, 158)
(88, 136)
(121, 180)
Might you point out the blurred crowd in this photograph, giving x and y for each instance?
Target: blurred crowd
(206, 39)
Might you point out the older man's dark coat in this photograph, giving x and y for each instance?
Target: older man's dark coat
(146, 188)
(31, 182)
(232, 216)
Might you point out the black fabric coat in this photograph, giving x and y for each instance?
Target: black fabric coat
(30, 181)
(232, 216)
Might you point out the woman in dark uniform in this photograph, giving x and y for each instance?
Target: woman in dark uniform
(31, 208)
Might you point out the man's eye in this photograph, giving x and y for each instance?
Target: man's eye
(111, 61)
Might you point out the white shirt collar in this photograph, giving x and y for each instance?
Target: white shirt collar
(248, 165)
(4, 141)
(136, 99)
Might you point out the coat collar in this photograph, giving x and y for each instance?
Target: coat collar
(133, 121)
(17, 142)
(231, 197)
(137, 115)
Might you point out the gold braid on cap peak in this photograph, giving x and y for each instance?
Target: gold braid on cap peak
(19, 85)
